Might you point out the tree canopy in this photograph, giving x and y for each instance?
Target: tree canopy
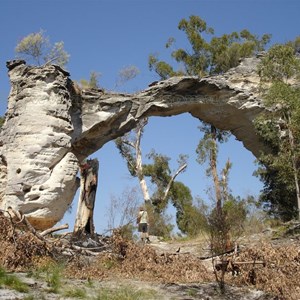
(280, 129)
(207, 54)
(36, 47)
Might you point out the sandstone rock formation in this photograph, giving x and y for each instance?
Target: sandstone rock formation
(50, 127)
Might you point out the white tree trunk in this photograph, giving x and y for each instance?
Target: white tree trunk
(139, 164)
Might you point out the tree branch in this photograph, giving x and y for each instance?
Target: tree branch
(53, 229)
(179, 170)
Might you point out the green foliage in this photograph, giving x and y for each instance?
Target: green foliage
(197, 62)
(278, 195)
(235, 210)
(160, 174)
(78, 293)
(125, 293)
(160, 223)
(127, 152)
(92, 83)
(128, 146)
(12, 282)
(163, 69)
(227, 50)
(208, 144)
(295, 44)
(53, 273)
(37, 48)
(226, 225)
(207, 54)
(33, 46)
(94, 78)
(2, 119)
(192, 218)
(126, 231)
(280, 130)
(279, 64)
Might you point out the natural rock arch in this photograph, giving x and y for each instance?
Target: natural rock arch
(50, 127)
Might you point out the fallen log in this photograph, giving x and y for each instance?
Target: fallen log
(233, 250)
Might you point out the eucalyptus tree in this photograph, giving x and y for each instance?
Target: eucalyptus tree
(129, 147)
(207, 151)
(280, 129)
(205, 53)
(160, 175)
(36, 47)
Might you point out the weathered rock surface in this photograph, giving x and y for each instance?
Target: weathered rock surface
(50, 127)
(38, 168)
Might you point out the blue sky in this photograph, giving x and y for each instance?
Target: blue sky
(106, 36)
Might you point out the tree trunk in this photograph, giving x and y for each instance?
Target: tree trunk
(139, 164)
(213, 165)
(84, 223)
(294, 164)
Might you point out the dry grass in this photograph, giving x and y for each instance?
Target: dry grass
(21, 251)
(130, 260)
(279, 276)
(19, 248)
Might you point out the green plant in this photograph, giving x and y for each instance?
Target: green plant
(52, 273)
(54, 279)
(75, 293)
(90, 283)
(35, 273)
(125, 293)
(1, 121)
(279, 129)
(12, 281)
(192, 292)
(29, 297)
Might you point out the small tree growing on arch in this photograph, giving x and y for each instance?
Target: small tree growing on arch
(37, 48)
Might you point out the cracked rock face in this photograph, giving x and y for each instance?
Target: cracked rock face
(50, 127)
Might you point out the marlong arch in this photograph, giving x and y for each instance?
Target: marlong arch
(51, 126)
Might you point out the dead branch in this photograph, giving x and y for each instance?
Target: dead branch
(22, 219)
(179, 170)
(220, 254)
(84, 250)
(254, 262)
(54, 229)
